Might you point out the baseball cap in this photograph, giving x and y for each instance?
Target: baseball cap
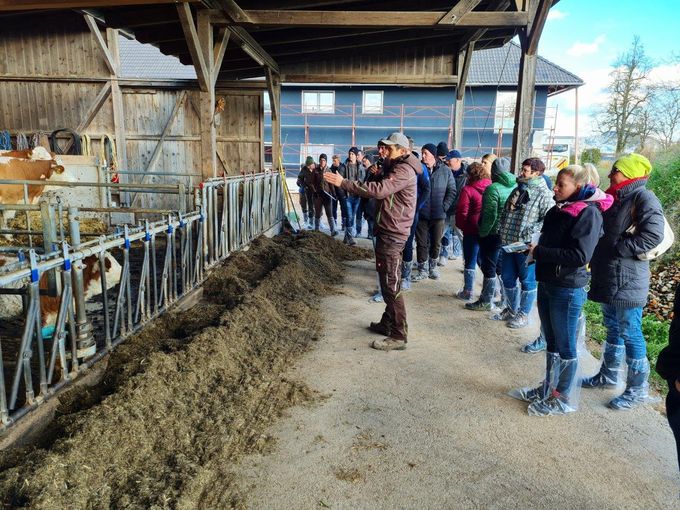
(453, 154)
(396, 138)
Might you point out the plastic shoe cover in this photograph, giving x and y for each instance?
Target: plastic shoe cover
(537, 345)
(543, 389)
(529, 394)
(637, 387)
(512, 299)
(527, 299)
(521, 320)
(611, 369)
(420, 274)
(442, 261)
(376, 298)
(484, 302)
(433, 272)
(332, 227)
(554, 405)
(406, 276)
(505, 314)
(581, 348)
(469, 279)
(465, 295)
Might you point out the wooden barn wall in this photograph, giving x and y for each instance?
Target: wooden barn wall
(432, 60)
(35, 95)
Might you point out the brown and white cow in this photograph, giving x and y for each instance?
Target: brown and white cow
(35, 165)
(10, 305)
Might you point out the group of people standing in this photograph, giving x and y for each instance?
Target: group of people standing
(534, 242)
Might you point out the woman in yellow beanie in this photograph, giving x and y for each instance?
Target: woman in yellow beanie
(620, 281)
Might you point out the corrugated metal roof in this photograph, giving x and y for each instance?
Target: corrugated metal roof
(145, 61)
(497, 66)
(500, 66)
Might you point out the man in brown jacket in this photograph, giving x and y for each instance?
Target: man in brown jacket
(395, 192)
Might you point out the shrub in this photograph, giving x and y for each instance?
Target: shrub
(592, 155)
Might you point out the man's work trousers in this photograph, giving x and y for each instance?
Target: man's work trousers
(388, 253)
(428, 239)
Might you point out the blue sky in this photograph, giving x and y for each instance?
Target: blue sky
(586, 36)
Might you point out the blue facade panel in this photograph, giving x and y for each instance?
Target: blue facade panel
(425, 114)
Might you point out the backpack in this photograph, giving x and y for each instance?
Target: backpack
(665, 244)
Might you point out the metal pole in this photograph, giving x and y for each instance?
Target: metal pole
(85, 338)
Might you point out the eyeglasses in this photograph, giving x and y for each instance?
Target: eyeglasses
(613, 171)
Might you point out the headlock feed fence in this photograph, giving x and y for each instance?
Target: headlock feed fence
(160, 261)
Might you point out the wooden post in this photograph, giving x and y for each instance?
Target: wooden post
(462, 69)
(274, 91)
(576, 154)
(207, 98)
(526, 87)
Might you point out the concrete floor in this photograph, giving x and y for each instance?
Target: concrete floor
(432, 427)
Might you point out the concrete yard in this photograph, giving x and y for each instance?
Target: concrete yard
(433, 427)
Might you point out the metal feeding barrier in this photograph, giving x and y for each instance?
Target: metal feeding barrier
(162, 261)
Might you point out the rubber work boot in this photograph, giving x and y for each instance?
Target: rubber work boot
(610, 370)
(484, 301)
(433, 271)
(389, 344)
(332, 227)
(406, 275)
(420, 274)
(637, 387)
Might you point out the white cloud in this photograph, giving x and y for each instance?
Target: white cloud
(579, 49)
(556, 14)
(665, 73)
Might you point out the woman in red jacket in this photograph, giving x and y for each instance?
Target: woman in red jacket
(468, 212)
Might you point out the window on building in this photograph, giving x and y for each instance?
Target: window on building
(318, 102)
(315, 150)
(372, 102)
(505, 111)
(268, 155)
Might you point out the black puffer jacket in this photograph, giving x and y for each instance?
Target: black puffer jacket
(442, 193)
(340, 169)
(619, 278)
(566, 245)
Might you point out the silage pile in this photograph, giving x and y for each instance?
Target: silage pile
(190, 394)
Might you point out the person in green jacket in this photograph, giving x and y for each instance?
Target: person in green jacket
(493, 201)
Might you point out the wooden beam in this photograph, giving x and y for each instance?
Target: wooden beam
(459, 10)
(94, 107)
(117, 101)
(537, 26)
(272, 80)
(231, 9)
(187, 21)
(253, 49)
(386, 79)
(207, 97)
(20, 5)
(464, 69)
(148, 170)
(519, 5)
(108, 58)
(371, 19)
(524, 109)
(220, 48)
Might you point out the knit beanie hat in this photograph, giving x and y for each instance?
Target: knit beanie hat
(500, 166)
(429, 147)
(442, 149)
(309, 161)
(633, 166)
(323, 156)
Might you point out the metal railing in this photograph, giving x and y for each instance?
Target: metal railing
(171, 257)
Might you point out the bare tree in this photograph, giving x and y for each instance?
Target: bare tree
(665, 111)
(623, 117)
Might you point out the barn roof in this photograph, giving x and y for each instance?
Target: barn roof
(500, 66)
(495, 66)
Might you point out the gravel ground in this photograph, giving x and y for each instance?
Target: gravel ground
(433, 427)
